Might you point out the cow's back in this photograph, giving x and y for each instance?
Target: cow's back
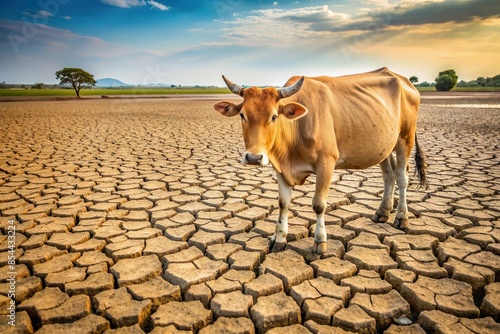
(359, 115)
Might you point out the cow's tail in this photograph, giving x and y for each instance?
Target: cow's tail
(420, 165)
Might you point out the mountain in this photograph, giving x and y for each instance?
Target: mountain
(110, 82)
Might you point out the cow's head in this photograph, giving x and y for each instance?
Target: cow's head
(261, 111)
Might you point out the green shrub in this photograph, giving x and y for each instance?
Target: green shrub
(446, 80)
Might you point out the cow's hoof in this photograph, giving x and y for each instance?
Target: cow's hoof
(401, 223)
(380, 218)
(319, 247)
(277, 246)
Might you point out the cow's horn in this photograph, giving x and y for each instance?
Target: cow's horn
(290, 90)
(236, 89)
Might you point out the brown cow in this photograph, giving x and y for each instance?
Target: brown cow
(315, 125)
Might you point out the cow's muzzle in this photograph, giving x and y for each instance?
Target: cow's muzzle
(255, 159)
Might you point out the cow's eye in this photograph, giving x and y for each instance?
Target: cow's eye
(275, 117)
(242, 116)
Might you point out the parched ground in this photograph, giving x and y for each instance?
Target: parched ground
(134, 216)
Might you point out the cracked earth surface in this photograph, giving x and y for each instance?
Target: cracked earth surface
(135, 216)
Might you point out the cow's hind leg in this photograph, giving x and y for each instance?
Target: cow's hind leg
(278, 240)
(324, 176)
(388, 167)
(403, 151)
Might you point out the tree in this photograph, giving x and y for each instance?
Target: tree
(446, 80)
(444, 83)
(75, 77)
(38, 85)
(413, 79)
(424, 84)
(494, 81)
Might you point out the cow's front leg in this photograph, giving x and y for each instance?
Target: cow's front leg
(278, 240)
(324, 175)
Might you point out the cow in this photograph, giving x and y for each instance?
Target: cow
(314, 125)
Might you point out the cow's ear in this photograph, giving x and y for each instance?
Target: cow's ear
(293, 110)
(227, 108)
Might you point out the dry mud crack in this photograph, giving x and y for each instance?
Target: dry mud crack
(134, 216)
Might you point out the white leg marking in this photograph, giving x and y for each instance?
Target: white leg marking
(323, 179)
(285, 197)
(402, 179)
(320, 231)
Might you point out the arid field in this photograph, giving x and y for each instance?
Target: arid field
(136, 215)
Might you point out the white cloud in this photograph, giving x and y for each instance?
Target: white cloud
(66, 17)
(125, 3)
(52, 41)
(268, 46)
(427, 49)
(275, 27)
(316, 11)
(324, 20)
(158, 5)
(377, 2)
(35, 57)
(136, 3)
(421, 30)
(44, 13)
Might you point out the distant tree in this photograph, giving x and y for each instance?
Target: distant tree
(481, 81)
(424, 84)
(446, 80)
(489, 81)
(463, 83)
(494, 82)
(413, 79)
(76, 78)
(38, 85)
(472, 83)
(3, 85)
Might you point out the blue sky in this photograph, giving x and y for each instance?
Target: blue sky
(252, 42)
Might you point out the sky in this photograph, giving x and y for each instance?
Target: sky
(194, 42)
